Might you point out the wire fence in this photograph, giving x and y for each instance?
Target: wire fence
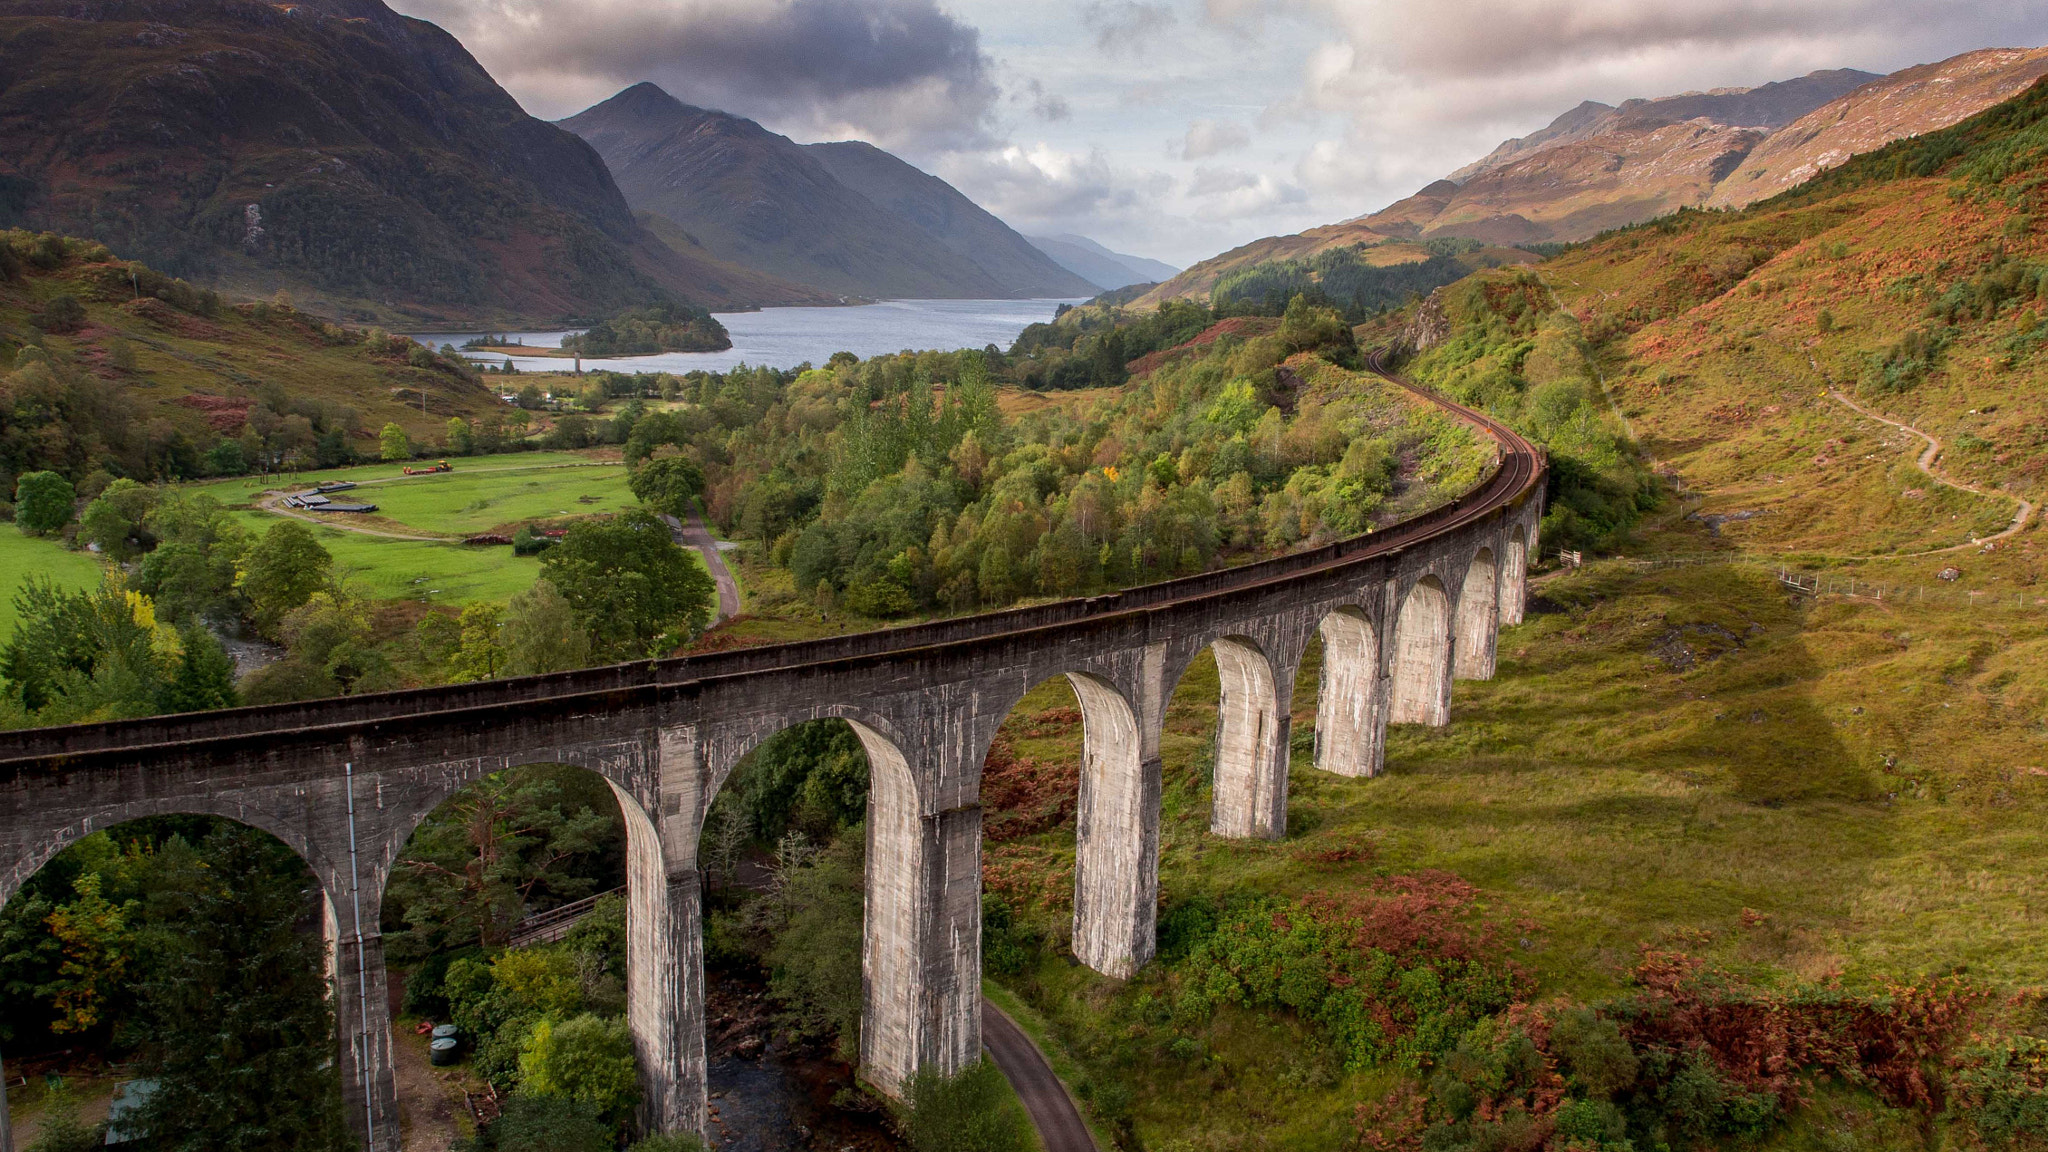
(1818, 584)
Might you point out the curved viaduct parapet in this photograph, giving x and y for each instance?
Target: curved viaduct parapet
(1399, 611)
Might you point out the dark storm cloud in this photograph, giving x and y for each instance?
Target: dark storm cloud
(903, 71)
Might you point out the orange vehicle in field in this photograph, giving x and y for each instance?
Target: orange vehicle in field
(439, 466)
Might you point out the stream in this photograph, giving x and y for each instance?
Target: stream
(767, 1096)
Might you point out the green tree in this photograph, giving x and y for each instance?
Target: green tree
(667, 485)
(811, 917)
(204, 676)
(234, 1018)
(281, 572)
(392, 444)
(227, 459)
(480, 655)
(629, 585)
(541, 633)
(461, 440)
(970, 1112)
(114, 519)
(331, 653)
(61, 1130)
(43, 502)
(96, 654)
(513, 841)
(191, 572)
(587, 1059)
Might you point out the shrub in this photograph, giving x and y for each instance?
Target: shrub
(61, 313)
(587, 1059)
(545, 1124)
(970, 1112)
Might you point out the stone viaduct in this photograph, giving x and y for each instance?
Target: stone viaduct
(1401, 612)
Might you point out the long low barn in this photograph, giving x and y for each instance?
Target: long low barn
(314, 501)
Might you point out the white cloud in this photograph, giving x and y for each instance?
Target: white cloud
(1206, 138)
(1224, 194)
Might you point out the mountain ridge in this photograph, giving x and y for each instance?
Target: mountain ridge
(240, 144)
(1597, 167)
(944, 213)
(759, 199)
(1099, 265)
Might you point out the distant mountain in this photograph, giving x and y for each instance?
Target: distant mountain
(1906, 103)
(1100, 266)
(937, 209)
(358, 158)
(1599, 167)
(761, 200)
(1767, 106)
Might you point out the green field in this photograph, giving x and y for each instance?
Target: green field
(386, 569)
(484, 492)
(23, 556)
(469, 501)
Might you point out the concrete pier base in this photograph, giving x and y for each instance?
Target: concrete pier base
(1422, 657)
(921, 950)
(1478, 619)
(1252, 730)
(1351, 700)
(1116, 838)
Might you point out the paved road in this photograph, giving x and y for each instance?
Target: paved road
(1059, 1123)
(695, 535)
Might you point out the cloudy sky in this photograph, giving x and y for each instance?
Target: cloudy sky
(1179, 128)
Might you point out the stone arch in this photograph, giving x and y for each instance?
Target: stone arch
(1116, 835)
(1251, 744)
(1422, 656)
(1478, 623)
(1514, 576)
(372, 1114)
(1349, 735)
(656, 981)
(920, 953)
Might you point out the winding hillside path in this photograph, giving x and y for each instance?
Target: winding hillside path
(1928, 456)
(1059, 1123)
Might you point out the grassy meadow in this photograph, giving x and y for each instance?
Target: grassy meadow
(483, 494)
(23, 556)
(1800, 792)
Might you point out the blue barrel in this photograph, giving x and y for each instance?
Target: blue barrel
(441, 1053)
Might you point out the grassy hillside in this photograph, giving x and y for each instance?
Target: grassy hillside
(1839, 795)
(1690, 794)
(1909, 280)
(143, 374)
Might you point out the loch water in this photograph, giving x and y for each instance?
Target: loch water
(787, 337)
